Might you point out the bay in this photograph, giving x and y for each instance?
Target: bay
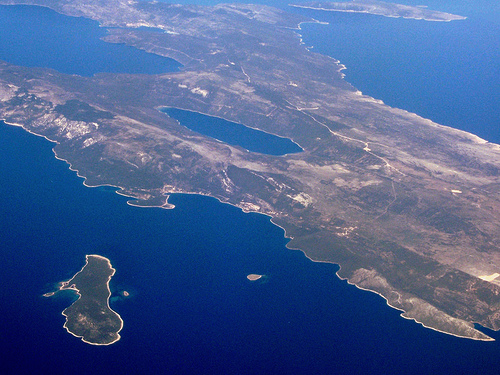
(235, 134)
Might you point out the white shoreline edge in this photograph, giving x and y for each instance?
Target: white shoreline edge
(66, 286)
(470, 136)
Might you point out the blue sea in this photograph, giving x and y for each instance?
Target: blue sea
(191, 309)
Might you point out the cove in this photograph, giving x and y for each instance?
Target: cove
(39, 37)
(233, 133)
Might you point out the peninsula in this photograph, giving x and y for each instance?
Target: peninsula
(90, 317)
(381, 8)
(408, 208)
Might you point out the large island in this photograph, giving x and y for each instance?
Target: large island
(408, 208)
(381, 8)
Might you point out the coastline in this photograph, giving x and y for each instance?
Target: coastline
(122, 191)
(487, 338)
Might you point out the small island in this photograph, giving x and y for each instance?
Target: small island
(90, 317)
(382, 8)
(254, 277)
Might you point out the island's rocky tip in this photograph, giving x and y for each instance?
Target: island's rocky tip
(90, 316)
(254, 277)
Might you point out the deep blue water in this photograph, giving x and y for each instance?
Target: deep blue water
(192, 310)
(233, 133)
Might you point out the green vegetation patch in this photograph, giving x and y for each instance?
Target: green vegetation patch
(76, 110)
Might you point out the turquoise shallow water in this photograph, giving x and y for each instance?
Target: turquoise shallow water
(192, 310)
